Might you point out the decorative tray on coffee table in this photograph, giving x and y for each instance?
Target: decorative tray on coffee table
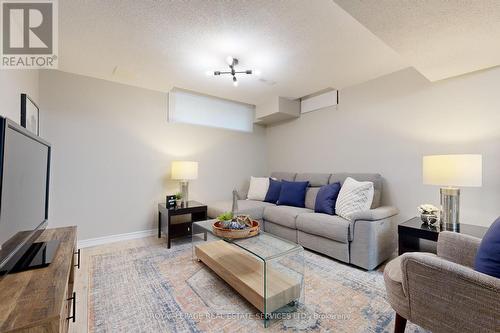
(241, 227)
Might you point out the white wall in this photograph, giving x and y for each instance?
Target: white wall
(388, 124)
(12, 84)
(112, 148)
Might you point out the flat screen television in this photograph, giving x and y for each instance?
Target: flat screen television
(24, 197)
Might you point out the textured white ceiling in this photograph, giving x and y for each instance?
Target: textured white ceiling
(440, 38)
(300, 46)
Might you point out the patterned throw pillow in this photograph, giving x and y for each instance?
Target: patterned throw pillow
(354, 197)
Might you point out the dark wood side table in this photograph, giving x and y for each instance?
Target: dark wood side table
(197, 210)
(411, 231)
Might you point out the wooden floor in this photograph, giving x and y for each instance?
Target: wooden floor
(82, 275)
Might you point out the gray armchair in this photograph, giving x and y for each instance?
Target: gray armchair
(442, 292)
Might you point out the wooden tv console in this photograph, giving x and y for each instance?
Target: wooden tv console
(42, 300)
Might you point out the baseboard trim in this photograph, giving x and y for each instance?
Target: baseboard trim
(115, 238)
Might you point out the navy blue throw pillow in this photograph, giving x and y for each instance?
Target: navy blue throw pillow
(273, 192)
(293, 193)
(488, 255)
(326, 199)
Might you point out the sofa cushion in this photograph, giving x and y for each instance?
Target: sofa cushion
(375, 178)
(354, 197)
(289, 176)
(314, 179)
(251, 207)
(311, 194)
(488, 255)
(258, 188)
(284, 215)
(273, 193)
(326, 198)
(293, 193)
(328, 226)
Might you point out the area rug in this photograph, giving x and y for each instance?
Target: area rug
(155, 289)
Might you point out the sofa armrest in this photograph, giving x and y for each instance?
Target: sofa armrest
(375, 214)
(458, 248)
(444, 296)
(372, 236)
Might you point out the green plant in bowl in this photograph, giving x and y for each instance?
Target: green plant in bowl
(227, 216)
(229, 221)
(225, 219)
(178, 196)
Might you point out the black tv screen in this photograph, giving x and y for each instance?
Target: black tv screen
(24, 190)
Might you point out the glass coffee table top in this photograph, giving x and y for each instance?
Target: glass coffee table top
(266, 270)
(264, 245)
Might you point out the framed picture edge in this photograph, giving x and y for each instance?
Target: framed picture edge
(24, 98)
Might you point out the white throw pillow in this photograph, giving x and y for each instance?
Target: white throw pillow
(258, 188)
(354, 197)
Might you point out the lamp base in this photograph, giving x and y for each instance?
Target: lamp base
(185, 193)
(450, 208)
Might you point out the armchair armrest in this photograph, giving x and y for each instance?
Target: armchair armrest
(458, 248)
(446, 296)
(375, 214)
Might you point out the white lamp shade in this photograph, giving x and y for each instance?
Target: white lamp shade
(453, 170)
(184, 170)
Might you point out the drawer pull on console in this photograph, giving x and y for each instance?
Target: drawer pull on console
(73, 299)
(78, 261)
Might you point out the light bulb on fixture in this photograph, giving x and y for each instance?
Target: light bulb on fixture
(209, 73)
(235, 82)
(257, 72)
(229, 60)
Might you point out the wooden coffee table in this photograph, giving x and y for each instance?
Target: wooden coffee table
(266, 270)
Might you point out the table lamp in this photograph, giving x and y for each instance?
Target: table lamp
(452, 171)
(184, 171)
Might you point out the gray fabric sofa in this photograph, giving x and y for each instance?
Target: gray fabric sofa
(366, 241)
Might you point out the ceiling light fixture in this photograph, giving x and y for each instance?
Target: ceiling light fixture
(233, 62)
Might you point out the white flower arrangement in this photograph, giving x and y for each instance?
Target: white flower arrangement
(427, 209)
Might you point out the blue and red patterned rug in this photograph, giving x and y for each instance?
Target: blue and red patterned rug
(155, 289)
